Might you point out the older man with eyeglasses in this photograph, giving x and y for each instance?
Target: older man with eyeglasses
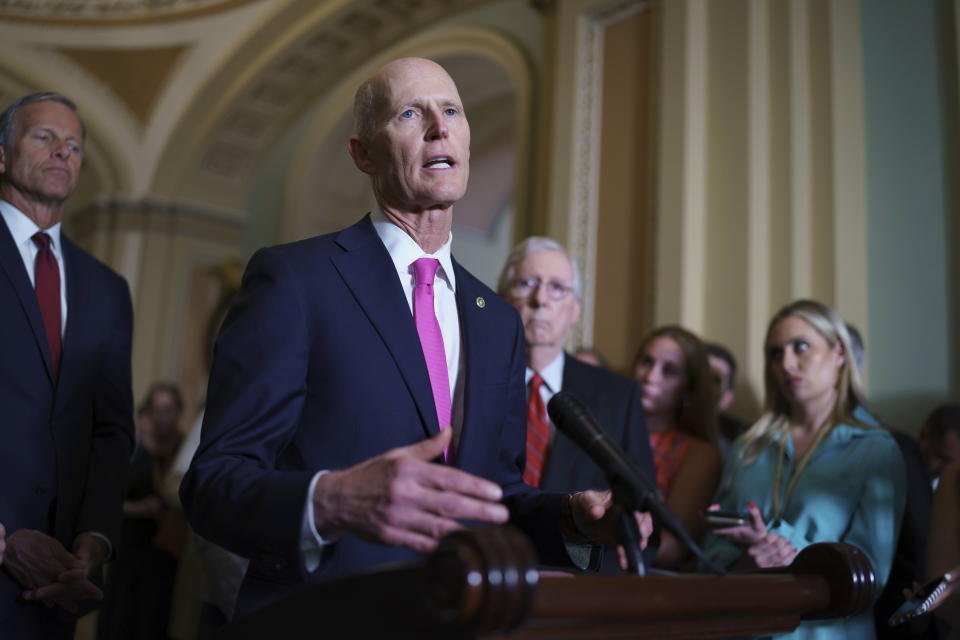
(543, 282)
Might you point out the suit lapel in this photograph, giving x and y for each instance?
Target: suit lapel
(563, 449)
(12, 264)
(363, 266)
(474, 342)
(77, 306)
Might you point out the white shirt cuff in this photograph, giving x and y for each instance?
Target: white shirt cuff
(97, 534)
(311, 542)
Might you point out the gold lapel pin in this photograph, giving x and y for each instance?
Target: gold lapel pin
(481, 302)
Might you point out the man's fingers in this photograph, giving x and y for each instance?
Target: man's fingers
(444, 478)
(86, 590)
(597, 503)
(462, 504)
(35, 559)
(645, 526)
(60, 553)
(90, 551)
(46, 592)
(62, 593)
(401, 498)
(73, 575)
(446, 492)
(428, 449)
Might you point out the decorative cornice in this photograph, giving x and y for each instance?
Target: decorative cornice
(182, 219)
(98, 12)
(585, 169)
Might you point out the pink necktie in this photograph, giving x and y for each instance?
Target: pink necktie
(47, 285)
(431, 340)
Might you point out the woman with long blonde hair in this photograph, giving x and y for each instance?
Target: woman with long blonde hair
(810, 470)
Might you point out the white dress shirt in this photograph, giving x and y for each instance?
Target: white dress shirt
(22, 229)
(403, 252)
(552, 375)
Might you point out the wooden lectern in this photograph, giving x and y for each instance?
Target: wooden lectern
(480, 583)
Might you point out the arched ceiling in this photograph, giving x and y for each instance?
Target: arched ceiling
(285, 73)
(131, 79)
(185, 97)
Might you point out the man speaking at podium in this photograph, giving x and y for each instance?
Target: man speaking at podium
(367, 393)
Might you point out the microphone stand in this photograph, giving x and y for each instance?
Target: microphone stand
(627, 531)
(631, 491)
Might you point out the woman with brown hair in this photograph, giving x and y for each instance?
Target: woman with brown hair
(811, 470)
(672, 367)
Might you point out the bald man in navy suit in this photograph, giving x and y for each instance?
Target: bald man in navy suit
(64, 381)
(341, 434)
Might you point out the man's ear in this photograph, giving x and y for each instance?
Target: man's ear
(361, 155)
(3, 159)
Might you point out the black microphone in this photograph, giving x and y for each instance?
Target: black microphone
(630, 487)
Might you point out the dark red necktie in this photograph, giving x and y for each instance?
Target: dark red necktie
(47, 283)
(538, 434)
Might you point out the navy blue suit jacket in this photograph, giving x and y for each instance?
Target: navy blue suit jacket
(318, 366)
(66, 443)
(616, 403)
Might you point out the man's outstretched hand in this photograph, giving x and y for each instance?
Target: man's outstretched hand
(401, 498)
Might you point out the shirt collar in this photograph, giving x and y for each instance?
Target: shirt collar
(404, 250)
(552, 374)
(840, 433)
(22, 228)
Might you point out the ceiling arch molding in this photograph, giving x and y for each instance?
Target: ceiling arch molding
(300, 53)
(127, 12)
(436, 43)
(135, 79)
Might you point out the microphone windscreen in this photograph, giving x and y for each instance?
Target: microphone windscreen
(573, 418)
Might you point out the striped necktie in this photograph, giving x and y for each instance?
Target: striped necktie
(538, 434)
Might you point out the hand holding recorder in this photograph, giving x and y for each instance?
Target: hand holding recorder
(767, 549)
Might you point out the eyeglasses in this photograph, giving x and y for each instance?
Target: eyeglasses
(555, 290)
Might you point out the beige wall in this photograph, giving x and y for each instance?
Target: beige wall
(759, 191)
(623, 274)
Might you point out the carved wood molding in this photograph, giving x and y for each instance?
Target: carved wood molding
(180, 219)
(585, 173)
(110, 11)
